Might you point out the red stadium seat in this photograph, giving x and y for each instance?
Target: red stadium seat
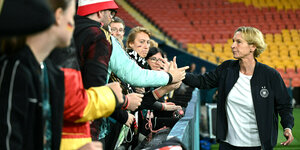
(296, 82)
(214, 21)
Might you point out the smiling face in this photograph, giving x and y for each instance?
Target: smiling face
(240, 47)
(141, 44)
(155, 62)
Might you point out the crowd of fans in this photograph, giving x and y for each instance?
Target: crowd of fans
(70, 81)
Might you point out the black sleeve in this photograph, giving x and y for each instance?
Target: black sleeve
(192, 80)
(94, 74)
(157, 106)
(170, 78)
(94, 56)
(120, 115)
(148, 101)
(208, 80)
(283, 102)
(14, 105)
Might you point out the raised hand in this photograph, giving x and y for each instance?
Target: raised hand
(134, 100)
(116, 88)
(165, 64)
(178, 74)
(174, 65)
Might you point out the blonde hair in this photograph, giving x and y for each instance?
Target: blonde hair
(133, 32)
(253, 36)
(153, 43)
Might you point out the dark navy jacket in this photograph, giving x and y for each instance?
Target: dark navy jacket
(269, 93)
(21, 114)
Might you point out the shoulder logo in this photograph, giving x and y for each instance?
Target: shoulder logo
(264, 92)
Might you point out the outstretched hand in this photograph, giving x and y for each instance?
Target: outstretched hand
(289, 136)
(165, 65)
(169, 106)
(173, 86)
(178, 74)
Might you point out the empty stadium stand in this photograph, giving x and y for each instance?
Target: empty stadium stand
(157, 34)
(128, 19)
(206, 27)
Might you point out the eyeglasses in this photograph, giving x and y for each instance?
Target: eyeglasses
(116, 30)
(154, 59)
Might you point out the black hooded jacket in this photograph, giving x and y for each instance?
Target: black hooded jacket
(94, 51)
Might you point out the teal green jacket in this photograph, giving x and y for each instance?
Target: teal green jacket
(129, 71)
(100, 54)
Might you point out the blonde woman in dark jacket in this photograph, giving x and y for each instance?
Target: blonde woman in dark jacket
(251, 95)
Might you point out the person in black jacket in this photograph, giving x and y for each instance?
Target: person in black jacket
(251, 95)
(28, 78)
(31, 87)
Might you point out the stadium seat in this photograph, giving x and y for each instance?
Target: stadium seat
(211, 23)
(296, 82)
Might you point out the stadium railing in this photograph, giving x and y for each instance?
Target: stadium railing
(187, 128)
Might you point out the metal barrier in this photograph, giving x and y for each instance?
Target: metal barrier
(187, 128)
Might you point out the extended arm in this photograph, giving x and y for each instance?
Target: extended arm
(130, 72)
(206, 81)
(83, 105)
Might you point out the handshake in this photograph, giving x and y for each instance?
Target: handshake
(177, 75)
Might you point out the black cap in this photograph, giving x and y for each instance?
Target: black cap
(21, 17)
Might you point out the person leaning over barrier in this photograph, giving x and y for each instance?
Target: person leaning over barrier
(156, 61)
(251, 95)
(100, 53)
(137, 47)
